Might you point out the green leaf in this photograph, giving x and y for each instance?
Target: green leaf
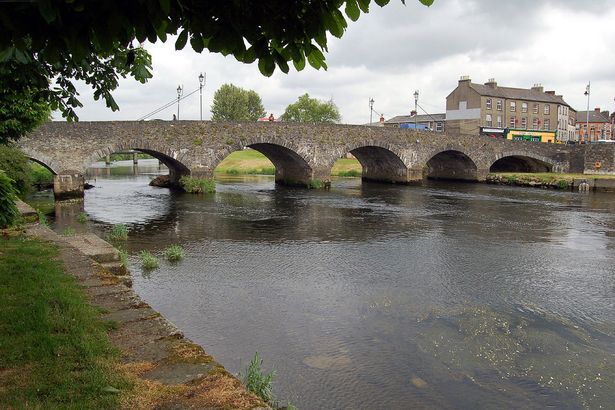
(364, 5)
(165, 5)
(299, 63)
(180, 43)
(196, 41)
(352, 10)
(427, 2)
(6, 54)
(382, 3)
(266, 65)
(46, 10)
(332, 24)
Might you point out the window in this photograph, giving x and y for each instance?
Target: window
(535, 123)
(439, 126)
(524, 122)
(524, 107)
(498, 105)
(547, 109)
(488, 121)
(488, 103)
(535, 109)
(513, 106)
(499, 121)
(513, 122)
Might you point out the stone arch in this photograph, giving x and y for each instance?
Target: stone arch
(521, 161)
(41, 159)
(291, 166)
(380, 162)
(451, 163)
(169, 157)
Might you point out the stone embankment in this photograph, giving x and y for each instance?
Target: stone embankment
(168, 371)
(525, 181)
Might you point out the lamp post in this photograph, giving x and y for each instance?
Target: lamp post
(416, 103)
(179, 94)
(587, 93)
(371, 109)
(201, 84)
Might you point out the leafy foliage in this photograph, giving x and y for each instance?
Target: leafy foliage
(197, 185)
(174, 253)
(91, 41)
(308, 109)
(8, 209)
(119, 232)
(232, 103)
(148, 260)
(23, 107)
(17, 167)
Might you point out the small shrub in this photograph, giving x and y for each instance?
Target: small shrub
(315, 184)
(198, 142)
(82, 218)
(258, 382)
(39, 175)
(119, 232)
(197, 185)
(350, 173)
(8, 196)
(510, 180)
(232, 171)
(68, 231)
(562, 184)
(174, 253)
(267, 171)
(42, 218)
(148, 261)
(123, 254)
(17, 167)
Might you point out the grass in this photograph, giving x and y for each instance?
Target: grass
(249, 161)
(257, 381)
(119, 232)
(198, 185)
(148, 260)
(123, 254)
(549, 176)
(54, 350)
(68, 231)
(82, 218)
(42, 218)
(174, 253)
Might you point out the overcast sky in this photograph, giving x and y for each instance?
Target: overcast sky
(393, 51)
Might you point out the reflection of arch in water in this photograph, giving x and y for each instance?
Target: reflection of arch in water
(521, 162)
(42, 159)
(451, 164)
(172, 159)
(379, 162)
(291, 168)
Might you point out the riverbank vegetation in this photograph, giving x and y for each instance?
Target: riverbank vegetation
(119, 232)
(54, 349)
(544, 179)
(197, 185)
(174, 253)
(148, 260)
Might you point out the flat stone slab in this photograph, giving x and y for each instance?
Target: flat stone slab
(131, 315)
(94, 247)
(25, 210)
(179, 373)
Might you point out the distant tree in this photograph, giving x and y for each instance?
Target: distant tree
(308, 109)
(232, 103)
(91, 41)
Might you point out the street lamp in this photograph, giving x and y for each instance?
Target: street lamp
(201, 84)
(371, 109)
(587, 93)
(179, 94)
(416, 103)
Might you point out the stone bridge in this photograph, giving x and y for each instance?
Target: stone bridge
(301, 153)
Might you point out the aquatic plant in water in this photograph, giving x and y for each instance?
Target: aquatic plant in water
(197, 185)
(119, 232)
(174, 253)
(82, 218)
(257, 381)
(148, 261)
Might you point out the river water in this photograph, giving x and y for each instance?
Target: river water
(382, 297)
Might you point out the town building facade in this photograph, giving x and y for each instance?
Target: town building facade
(472, 109)
(600, 125)
(431, 122)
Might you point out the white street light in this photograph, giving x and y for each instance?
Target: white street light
(371, 109)
(587, 93)
(179, 94)
(201, 84)
(416, 103)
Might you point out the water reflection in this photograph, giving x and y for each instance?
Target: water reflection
(375, 296)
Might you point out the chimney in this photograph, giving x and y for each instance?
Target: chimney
(538, 87)
(597, 110)
(412, 113)
(381, 119)
(550, 92)
(491, 83)
(464, 79)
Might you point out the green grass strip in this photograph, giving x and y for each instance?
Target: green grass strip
(54, 348)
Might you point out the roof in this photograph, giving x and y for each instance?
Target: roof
(594, 116)
(517, 94)
(401, 119)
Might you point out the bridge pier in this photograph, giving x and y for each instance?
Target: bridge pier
(68, 185)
